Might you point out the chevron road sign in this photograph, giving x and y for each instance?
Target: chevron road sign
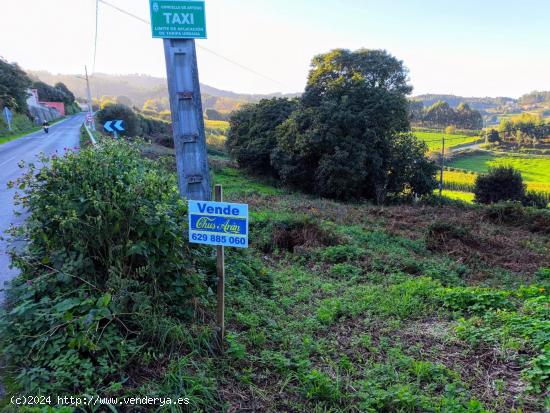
(114, 126)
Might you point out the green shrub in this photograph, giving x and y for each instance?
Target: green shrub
(112, 112)
(345, 271)
(106, 254)
(502, 183)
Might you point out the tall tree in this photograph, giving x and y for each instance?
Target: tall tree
(14, 83)
(340, 142)
(252, 136)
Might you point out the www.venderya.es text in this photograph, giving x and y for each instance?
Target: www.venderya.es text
(77, 401)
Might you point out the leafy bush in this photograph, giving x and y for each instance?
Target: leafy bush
(14, 83)
(502, 183)
(115, 111)
(252, 136)
(106, 255)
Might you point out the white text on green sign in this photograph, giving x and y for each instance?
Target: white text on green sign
(178, 19)
(218, 223)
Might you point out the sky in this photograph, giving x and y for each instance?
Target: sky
(467, 47)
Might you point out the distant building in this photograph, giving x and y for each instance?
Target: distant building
(59, 106)
(43, 111)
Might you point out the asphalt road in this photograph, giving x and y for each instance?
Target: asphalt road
(64, 134)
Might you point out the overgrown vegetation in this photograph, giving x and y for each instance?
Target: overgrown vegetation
(336, 307)
(347, 138)
(107, 277)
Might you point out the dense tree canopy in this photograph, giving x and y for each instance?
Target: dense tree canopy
(346, 138)
(14, 83)
(253, 133)
(120, 112)
(441, 115)
(502, 183)
(57, 93)
(524, 129)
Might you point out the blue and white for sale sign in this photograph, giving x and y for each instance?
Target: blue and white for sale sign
(218, 223)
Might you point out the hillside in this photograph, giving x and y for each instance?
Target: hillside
(477, 103)
(139, 88)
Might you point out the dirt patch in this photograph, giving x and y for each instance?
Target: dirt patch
(305, 236)
(467, 236)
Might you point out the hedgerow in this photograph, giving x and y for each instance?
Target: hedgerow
(105, 260)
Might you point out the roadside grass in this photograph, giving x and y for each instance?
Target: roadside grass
(32, 130)
(433, 139)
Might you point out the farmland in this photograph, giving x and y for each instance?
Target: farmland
(433, 139)
(533, 169)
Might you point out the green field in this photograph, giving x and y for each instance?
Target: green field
(433, 139)
(533, 169)
(217, 124)
(458, 195)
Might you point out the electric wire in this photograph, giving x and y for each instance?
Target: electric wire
(233, 62)
(96, 32)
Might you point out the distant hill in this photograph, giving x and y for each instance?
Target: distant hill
(481, 104)
(139, 88)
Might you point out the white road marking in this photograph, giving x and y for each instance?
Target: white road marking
(9, 160)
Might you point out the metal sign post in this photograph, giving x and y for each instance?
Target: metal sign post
(8, 116)
(179, 22)
(221, 224)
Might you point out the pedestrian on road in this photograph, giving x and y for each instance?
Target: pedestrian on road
(46, 126)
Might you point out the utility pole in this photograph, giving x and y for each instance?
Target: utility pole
(220, 271)
(442, 166)
(90, 108)
(187, 119)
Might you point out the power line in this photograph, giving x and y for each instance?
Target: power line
(96, 31)
(233, 62)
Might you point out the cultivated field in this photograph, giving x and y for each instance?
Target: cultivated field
(433, 139)
(533, 169)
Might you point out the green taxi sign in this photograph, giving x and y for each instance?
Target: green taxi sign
(178, 19)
